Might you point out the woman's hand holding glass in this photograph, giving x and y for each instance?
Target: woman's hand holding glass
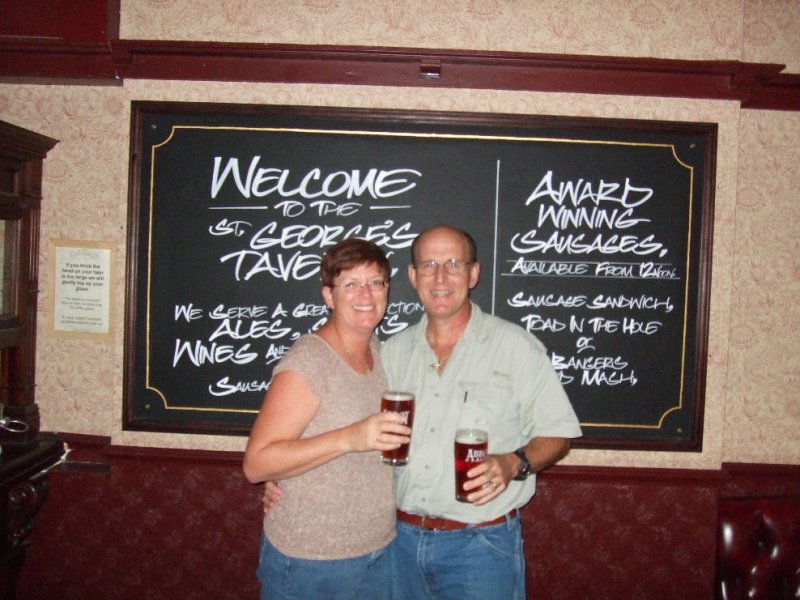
(381, 431)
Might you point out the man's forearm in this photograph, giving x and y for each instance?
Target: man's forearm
(545, 451)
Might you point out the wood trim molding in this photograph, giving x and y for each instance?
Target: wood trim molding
(753, 85)
(92, 448)
(98, 449)
(173, 455)
(633, 475)
(760, 480)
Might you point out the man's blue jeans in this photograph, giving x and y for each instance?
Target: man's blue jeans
(477, 563)
(285, 578)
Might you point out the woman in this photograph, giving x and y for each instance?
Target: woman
(317, 432)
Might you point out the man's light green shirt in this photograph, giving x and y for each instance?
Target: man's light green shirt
(498, 378)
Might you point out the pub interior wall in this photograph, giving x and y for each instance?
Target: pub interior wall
(752, 403)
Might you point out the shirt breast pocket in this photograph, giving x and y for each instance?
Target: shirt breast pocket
(490, 404)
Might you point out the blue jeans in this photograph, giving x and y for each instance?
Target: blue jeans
(285, 578)
(477, 563)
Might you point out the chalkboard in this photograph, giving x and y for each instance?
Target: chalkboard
(593, 234)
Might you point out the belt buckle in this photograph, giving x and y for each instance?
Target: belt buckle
(435, 523)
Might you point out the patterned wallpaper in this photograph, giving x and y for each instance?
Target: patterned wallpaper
(752, 402)
(763, 401)
(749, 30)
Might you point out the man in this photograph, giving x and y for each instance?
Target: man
(468, 368)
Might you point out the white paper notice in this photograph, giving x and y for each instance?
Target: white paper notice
(82, 298)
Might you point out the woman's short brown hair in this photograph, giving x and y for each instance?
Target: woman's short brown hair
(351, 253)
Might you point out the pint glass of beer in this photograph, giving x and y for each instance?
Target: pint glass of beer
(470, 450)
(403, 404)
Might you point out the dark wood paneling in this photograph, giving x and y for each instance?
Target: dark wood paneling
(755, 85)
(165, 524)
(73, 21)
(616, 540)
(753, 480)
(157, 524)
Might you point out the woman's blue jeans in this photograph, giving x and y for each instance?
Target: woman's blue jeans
(285, 578)
(477, 563)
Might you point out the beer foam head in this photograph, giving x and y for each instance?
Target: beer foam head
(398, 396)
(471, 436)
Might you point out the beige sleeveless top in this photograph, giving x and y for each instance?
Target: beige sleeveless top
(345, 508)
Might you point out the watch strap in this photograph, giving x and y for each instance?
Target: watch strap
(525, 465)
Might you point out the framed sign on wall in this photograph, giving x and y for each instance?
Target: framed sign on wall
(82, 275)
(593, 234)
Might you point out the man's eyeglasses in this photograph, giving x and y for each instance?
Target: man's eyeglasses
(451, 267)
(351, 287)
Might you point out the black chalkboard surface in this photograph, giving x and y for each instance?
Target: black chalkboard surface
(595, 235)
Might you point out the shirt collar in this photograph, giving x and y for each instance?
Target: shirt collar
(475, 330)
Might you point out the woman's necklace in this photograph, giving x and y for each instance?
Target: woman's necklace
(365, 366)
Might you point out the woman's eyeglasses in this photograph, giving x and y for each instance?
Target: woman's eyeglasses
(351, 287)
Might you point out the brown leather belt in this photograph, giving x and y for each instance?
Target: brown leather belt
(440, 524)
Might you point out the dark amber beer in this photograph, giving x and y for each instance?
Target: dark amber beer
(470, 450)
(401, 403)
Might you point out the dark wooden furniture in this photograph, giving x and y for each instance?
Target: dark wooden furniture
(758, 551)
(23, 489)
(21, 155)
(25, 455)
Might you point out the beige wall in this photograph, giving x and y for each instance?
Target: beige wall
(752, 402)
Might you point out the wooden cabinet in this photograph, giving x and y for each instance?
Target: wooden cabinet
(25, 455)
(23, 489)
(21, 155)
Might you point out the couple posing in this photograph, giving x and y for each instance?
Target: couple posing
(343, 524)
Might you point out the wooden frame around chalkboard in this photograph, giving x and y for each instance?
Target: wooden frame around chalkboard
(651, 184)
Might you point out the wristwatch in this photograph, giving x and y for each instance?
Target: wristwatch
(524, 467)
